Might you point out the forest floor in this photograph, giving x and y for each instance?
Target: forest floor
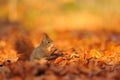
(83, 55)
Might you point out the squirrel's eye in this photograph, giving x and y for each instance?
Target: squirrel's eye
(48, 42)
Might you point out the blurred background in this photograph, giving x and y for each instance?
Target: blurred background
(48, 15)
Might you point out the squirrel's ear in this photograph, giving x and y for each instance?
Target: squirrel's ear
(44, 35)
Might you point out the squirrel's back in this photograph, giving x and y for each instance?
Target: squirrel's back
(37, 54)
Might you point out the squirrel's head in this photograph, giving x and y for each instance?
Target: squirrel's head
(46, 42)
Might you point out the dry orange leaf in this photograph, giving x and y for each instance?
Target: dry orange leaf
(95, 53)
(59, 59)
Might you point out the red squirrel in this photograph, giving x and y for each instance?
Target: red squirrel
(43, 49)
